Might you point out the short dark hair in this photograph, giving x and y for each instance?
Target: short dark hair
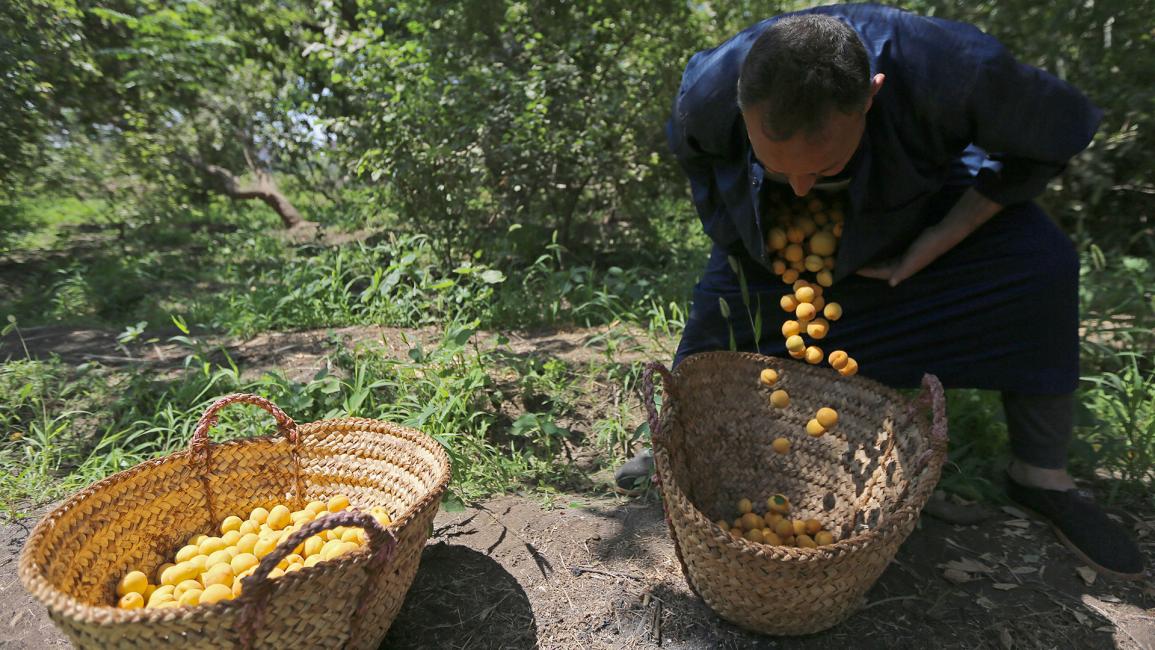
(799, 70)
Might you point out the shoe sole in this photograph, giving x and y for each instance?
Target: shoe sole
(1099, 568)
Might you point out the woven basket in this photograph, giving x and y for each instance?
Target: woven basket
(866, 480)
(138, 518)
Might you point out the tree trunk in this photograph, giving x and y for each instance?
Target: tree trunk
(264, 188)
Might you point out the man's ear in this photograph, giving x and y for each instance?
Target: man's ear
(875, 86)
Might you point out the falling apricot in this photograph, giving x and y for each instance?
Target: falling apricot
(791, 328)
(818, 328)
(850, 369)
(813, 355)
(780, 399)
(768, 377)
(814, 428)
(780, 445)
(833, 311)
(827, 417)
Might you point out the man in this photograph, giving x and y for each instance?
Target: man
(945, 264)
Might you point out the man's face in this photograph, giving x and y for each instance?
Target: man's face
(803, 160)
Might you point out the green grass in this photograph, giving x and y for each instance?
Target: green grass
(504, 418)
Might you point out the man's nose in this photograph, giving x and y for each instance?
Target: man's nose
(801, 184)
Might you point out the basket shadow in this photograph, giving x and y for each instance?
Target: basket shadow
(462, 598)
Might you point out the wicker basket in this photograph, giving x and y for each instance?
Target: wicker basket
(137, 519)
(866, 480)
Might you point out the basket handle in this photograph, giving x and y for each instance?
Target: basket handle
(258, 587)
(200, 445)
(648, 396)
(933, 396)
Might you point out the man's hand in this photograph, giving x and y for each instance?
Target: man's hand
(971, 211)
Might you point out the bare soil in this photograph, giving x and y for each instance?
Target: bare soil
(591, 570)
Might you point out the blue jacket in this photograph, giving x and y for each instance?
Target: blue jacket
(948, 88)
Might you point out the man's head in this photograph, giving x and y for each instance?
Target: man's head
(804, 91)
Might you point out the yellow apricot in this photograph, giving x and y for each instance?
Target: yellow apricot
(161, 569)
(279, 517)
(163, 594)
(819, 303)
(789, 276)
(778, 503)
(259, 515)
(795, 343)
(338, 503)
(833, 311)
(793, 253)
(790, 328)
(780, 445)
(313, 546)
(219, 557)
(248, 526)
(829, 264)
(837, 359)
(232, 522)
(221, 574)
(784, 528)
(813, 526)
(795, 235)
(851, 368)
(818, 328)
(814, 428)
(803, 294)
(187, 552)
(823, 243)
(131, 600)
(777, 239)
(814, 355)
(736, 532)
(771, 537)
(825, 277)
(827, 417)
(190, 597)
(314, 560)
(750, 521)
(230, 538)
(216, 593)
(799, 527)
(184, 586)
(780, 399)
(778, 267)
(243, 562)
(754, 535)
(805, 541)
(178, 573)
(798, 354)
(813, 263)
(132, 582)
(807, 225)
(211, 545)
(247, 543)
(822, 538)
(745, 506)
(317, 507)
(768, 376)
(805, 312)
(788, 303)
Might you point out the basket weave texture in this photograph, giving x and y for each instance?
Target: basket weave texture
(866, 480)
(138, 518)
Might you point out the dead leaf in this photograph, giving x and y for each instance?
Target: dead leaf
(1014, 512)
(987, 603)
(1110, 599)
(1081, 617)
(1018, 523)
(1020, 570)
(967, 565)
(1031, 557)
(956, 576)
(1087, 574)
(1005, 639)
(1004, 586)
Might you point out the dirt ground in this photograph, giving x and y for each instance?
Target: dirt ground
(584, 571)
(592, 570)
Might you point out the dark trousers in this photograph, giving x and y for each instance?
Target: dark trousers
(999, 311)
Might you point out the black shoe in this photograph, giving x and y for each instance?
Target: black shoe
(635, 474)
(1083, 527)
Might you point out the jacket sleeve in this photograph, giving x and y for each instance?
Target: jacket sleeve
(1029, 122)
